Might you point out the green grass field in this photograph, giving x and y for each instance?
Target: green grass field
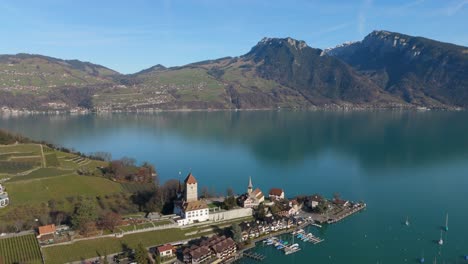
(144, 225)
(20, 158)
(32, 149)
(59, 187)
(51, 160)
(91, 248)
(136, 187)
(22, 249)
(41, 173)
(13, 167)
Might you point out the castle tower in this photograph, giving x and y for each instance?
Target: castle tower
(191, 191)
(250, 187)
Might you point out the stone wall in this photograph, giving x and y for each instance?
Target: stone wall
(231, 214)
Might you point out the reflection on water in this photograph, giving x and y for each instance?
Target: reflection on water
(375, 139)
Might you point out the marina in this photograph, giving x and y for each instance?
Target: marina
(289, 248)
(254, 256)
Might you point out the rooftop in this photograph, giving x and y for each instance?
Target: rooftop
(276, 191)
(165, 248)
(190, 179)
(195, 205)
(47, 229)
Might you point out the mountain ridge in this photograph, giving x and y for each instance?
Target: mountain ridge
(384, 70)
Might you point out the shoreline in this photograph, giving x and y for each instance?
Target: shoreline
(23, 112)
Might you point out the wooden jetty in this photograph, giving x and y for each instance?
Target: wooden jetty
(254, 256)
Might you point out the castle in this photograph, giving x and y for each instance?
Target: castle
(4, 200)
(187, 206)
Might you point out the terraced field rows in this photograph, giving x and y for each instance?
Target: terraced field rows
(22, 249)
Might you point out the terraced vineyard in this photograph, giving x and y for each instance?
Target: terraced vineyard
(21, 249)
(16, 159)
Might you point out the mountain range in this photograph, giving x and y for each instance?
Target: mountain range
(384, 70)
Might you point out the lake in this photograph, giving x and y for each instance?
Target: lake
(402, 164)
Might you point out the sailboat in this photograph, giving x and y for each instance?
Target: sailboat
(407, 222)
(422, 260)
(441, 241)
(446, 222)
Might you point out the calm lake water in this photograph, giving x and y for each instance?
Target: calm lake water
(402, 164)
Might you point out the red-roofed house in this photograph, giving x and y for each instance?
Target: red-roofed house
(46, 230)
(165, 250)
(276, 194)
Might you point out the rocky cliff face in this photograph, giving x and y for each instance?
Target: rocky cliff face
(320, 79)
(418, 70)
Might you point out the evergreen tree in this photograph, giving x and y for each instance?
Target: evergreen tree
(236, 232)
(84, 217)
(141, 254)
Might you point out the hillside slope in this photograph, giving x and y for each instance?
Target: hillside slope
(418, 70)
(385, 70)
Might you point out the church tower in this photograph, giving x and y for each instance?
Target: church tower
(191, 191)
(250, 187)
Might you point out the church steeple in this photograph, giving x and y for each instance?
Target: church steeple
(250, 187)
(179, 191)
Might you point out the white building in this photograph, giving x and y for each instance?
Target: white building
(165, 250)
(189, 208)
(276, 194)
(4, 200)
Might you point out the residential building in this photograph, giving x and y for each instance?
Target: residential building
(219, 249)
(4, 199)
(314, 200)
(225, 249)
(47, 230)
(276, 194)
(196, 254)
(188, 207)
(165, 250)
(254, 229)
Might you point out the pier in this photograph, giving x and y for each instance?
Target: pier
(254, 256)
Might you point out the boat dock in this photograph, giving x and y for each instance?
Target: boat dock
(254, 256)
(309, 237)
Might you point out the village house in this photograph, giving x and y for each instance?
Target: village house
(46, 233)
(187, 206)
(196, 254)
(4, 200)
(314, 200)
(254, 229)
(289, 209)
(276, 194)
(216, 247)
(252, 198)
(165, 251)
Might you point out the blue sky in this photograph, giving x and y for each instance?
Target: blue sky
(132, 35)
